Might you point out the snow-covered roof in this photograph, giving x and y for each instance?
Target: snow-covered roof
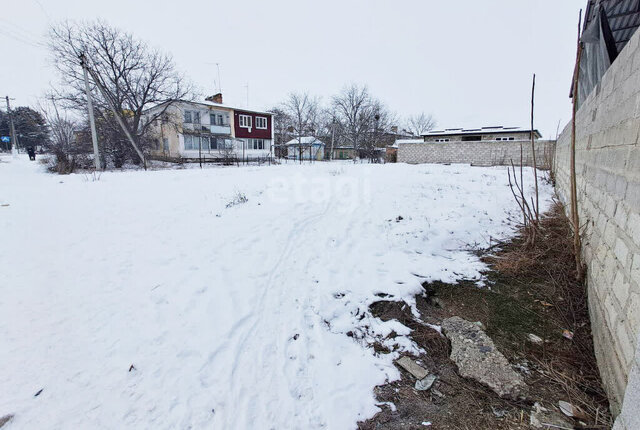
(481, 130)
(210, 104)
(306, 140)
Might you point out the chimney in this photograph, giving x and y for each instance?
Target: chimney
(216, 98)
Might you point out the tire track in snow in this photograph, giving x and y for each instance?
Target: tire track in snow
(269, 366)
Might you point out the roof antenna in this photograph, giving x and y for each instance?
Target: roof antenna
(219, 81)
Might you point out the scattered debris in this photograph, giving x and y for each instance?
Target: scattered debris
(399, 218)
(543, 418)
(571, 410)
(535, 339)
(412, 367)
(425, 383)
(4, 205)
(238, 199)
(567, 334)
(5, 419)
(296, 336)
(390, 405)
(438, 393)
(499, 413)
(543, 303)
(479, 324)
(38, 393)
(477, 357)
(426, 423)
(132, 367)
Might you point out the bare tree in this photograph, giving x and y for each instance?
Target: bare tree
(354, 109)
(365, 121)
(420, 124)
(134, 75)
(62, 141)
(302, 113)
(282, 127)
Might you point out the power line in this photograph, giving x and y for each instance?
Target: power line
(18, 39)
(23, 32)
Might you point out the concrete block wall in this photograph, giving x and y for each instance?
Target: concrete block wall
(478, 153)
(608, 182)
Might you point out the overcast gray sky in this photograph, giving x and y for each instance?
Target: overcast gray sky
(467, 62)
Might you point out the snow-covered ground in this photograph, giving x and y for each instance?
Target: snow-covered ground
(232, 317)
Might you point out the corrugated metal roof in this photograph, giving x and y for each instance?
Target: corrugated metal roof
(623, 17)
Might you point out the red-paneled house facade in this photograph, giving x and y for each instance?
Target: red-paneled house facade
(255, 128)
(192, 130)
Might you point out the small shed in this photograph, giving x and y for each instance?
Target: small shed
(307, 148)
(342, 153)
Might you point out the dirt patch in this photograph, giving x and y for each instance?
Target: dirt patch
(530, 290)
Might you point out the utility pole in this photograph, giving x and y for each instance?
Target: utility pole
(92, 122)
(14, 137)
(103, 91)
(333, 136)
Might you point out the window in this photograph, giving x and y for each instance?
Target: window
(505, 138)
(471, 138)
(261, 122)
(441, 140)
(245, 121)
(187, 116)
(189, 142)
(221, 121)
(212, 119)
(256, 144)
(165, 144)
(196, 117)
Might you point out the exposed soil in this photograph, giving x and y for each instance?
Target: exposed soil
(530, 289)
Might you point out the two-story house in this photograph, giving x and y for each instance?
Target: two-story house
(209, 130)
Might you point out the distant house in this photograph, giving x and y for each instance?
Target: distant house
(342, 153)
(485, 146)
(209, 130)
(307, 148)
(497, 134)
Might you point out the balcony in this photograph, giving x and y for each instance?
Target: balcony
(224, 130)
(220, 129)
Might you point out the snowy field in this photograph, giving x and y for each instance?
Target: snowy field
(234, 315)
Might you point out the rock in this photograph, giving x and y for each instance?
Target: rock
(542, 418)
(535, 339)
(5, 419)
(412, 367)
(425, 383)
(477, 358)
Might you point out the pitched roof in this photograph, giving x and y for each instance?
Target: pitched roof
(306, 140)
(211, 104)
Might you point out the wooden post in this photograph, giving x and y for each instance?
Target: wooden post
(533, 151)
(575, 220)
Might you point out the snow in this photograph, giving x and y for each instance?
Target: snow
(233, 318)
(305, 140)
(497, 129)
(402, 141)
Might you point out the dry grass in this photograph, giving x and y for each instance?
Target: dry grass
(548, 269)
(533, 290)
